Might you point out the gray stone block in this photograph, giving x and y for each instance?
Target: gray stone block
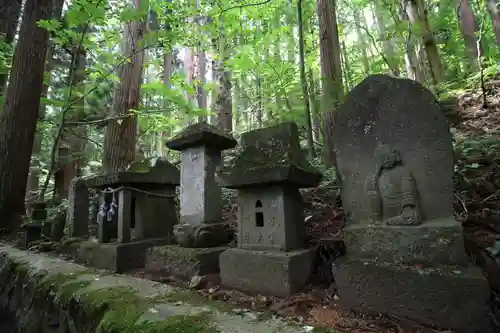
(117, 257)
(266, 272)
(184, 263)
(437, 242)
(450, 298)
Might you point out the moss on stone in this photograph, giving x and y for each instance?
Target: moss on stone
(184, 253)
(125, 308)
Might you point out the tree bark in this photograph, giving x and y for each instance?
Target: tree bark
(34, 173)
(492, 6)
(20, 114)
(331, 72)
(417, 13)
(468, 27)
(121, 133)
(303, 82)
(10, 11)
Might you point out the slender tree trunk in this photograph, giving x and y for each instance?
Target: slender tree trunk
(70, 158)
(387, 43)
(417, 13)
(492, 6)
(20, 114)
(303, 82)
(363, 45)
(331, 72)
(121, 133)
(468, 27)
(10, 10)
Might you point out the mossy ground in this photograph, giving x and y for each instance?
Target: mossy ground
(118, 308)
(125, 308)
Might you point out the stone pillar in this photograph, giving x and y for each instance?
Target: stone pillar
(200, 198)
(77, 218)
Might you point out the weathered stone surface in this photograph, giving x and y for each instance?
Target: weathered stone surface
(439, 243)
(405, 115)
(271, 218)
(395, 158)
(266, 272)
(40, 294)
(450, 298)
(117, 257)
(148, 173)
(270, 156)
(184, 263)
(202, 135)
(200, 193)
(77, 218)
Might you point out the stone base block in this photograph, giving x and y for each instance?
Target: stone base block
(183, 262)
(448, 298)
(118, 257)
(269, 273)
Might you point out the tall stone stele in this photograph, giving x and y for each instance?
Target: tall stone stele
(405, 250)
(272, 257)
(200, 147)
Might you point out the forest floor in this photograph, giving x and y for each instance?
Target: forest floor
(477, 190)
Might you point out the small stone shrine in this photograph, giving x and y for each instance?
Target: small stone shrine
(405, 250)
(272, 257)
(137, 211)
(201, 226)
(31, 231)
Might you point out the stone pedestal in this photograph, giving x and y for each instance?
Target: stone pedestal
(421, 273)
(184, 263)
(270, 273)
(117, 257)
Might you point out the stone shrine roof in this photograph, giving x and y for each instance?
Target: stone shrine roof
(270, 156)
(150, 172)
(202, 135)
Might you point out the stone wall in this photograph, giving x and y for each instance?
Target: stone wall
(42, 294)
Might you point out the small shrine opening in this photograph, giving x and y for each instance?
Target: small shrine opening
(259, 214)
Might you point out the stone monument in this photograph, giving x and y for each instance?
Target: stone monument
(272, 257)
(405, 251)
(77, 218)
(137, 211)
(200, 235)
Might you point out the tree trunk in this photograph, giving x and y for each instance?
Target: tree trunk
(387, 42)
(10, 10)
(121, 133)
(363, 45)
(418, 16)
(492, 6)
(34, 173)
(413, 62)
(71, 144)
(468, 27)
(20, 114)
(303, 82)
(331, 72)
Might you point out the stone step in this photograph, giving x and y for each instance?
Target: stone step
(40, 293)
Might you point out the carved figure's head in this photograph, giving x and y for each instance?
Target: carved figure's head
(387, 156)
